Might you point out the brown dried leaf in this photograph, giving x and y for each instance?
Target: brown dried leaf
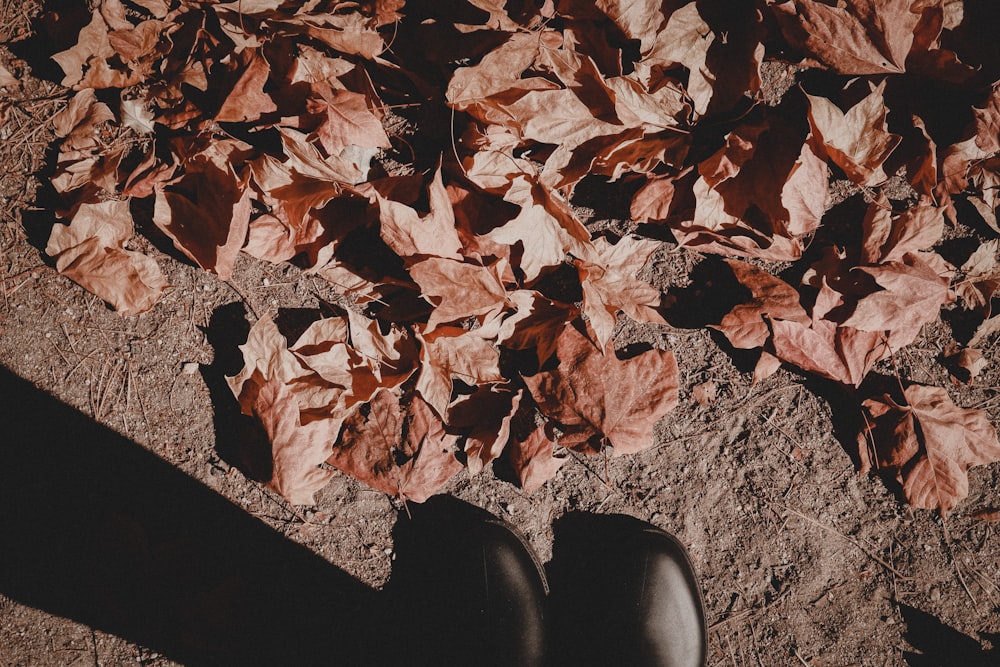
(532, 460)
(91, 251)
(771, 299)
(397, 447)
(609, 285)
(757, 196)
(928, 444)
(346, 120)
(485, 415)
(599, 394)
(8, 80)
(546, 228)
(841, 353)
(982, 278)
(851, 36)
(410, 235)
(856, 141)
(246, 100)
(206, 212)
(964, 364)
(888, 237)
(298, 446)
(77, 123)
(448, 353)
(914, 290)
(459, 290)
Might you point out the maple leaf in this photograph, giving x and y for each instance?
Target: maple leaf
(409, 234)
(532, 459)
(982, 278)
(596, 394)
(77, 123)
(856, 141)
(888, 237)
(485, 415)
(447, 353)
(459, 290)
(746, 325)
(720, 68)
(852, 36)
(351, 33)
(757, 196)
(397, 447)
(206, 211)
(964, 364)
(345, 121)
(535, 323)
(546, 228)
(609, 285)
(927, 443)
(91, 251)
(298, 447)
(914, 290)
(246, 100)
(823, 346)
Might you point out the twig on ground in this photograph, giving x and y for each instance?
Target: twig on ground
(858, 545)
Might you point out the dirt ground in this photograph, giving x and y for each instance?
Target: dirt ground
(802, 561)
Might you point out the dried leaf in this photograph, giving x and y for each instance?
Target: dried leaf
(485, 415)
(8, 80)
(982, 278)
(532, 460)
(458, 290)
(928, 444)
(77, 123)
(851, 36)
(964, 364)
(395, 447)
(410, 235)
(746, 325)
(450, 353)
(856, 141)
(914, 292)
(757, 196)
(207, 210)
(91, 251)
(598, 394)
(298, 447)
(609, 285)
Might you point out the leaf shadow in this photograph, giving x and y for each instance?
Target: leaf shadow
(941, 645)
(240, 440)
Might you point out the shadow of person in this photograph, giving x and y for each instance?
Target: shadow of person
(99, 530)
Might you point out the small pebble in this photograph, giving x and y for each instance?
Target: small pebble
(189, 368)
(935, 593)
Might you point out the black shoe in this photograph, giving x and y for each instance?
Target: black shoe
(624, 593)
(470, 590)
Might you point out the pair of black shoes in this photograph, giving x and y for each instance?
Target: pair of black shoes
(467, 589)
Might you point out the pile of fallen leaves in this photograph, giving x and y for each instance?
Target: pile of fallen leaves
(482, 308)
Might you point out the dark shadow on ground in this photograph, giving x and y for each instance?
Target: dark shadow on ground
(99, 530)
(240, 439)
(940, 645)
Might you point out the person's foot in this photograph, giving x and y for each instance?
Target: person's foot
(472, 589)
(624, 593)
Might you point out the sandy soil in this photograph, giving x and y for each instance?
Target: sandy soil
(802, 561)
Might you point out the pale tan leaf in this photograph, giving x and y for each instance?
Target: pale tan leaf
(532, 460)
(928, 443)
(598, 393)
